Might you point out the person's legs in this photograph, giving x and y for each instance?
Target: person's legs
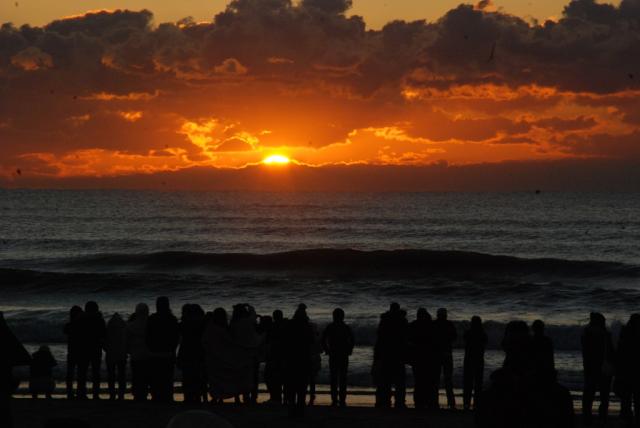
(71, 369)
(122, 379)
(419, 393)
(605, 389)
(587, 395)
(478, 383)
(334, 374)
(343, 369)
(383, 385)
(96, 361)
(111, 379)
(635, 397)
(467, 384)
(83, 367)
(399, 381)
(168, 371)
(447, 368)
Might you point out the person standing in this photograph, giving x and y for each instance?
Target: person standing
(12, 354)
(542, 349)
(191, 353)
(627, 381)
(72, 331)
(475, 343)
(274, 365)
(163, 335)
(422, 355)
(41, 373)
(338, 343)
(389, 357)
(92, 336)
(139, 352)
(445, 335)
(597, 359)
(299, 339)
(116, 356)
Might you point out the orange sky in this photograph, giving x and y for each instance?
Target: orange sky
(118, 93)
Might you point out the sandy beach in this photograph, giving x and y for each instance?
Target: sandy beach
(105, 414)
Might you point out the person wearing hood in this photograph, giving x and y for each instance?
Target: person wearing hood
(116, 356)
(41, 373)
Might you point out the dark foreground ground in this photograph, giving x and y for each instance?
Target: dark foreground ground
(104, 414)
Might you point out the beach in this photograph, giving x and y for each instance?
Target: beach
(128, 414)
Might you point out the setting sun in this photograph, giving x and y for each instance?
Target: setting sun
(276, 160)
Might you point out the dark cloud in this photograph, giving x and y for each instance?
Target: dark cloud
(312, 75)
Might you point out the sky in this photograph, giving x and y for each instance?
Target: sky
(447, 95)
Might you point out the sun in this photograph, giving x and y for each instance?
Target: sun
(276, 160)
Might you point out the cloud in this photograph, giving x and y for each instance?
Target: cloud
(307, 78)
(32, 59)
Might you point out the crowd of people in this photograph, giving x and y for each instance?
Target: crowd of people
(222, 357)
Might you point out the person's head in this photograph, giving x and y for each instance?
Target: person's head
(476, 323)
(423, 315)
(301, 312)
(596, 319)
(516, 332)
(162, 305)
(142, 310)
(442, 314)
(338, 315)
(394, 307)
(278, 315)
(75, 312)
(44, 349)
(538, 328)
(91, 307)
(219, 317)
(634, 322)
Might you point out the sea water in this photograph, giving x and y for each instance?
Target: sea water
(502, 256)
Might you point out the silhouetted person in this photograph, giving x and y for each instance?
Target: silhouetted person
(12, 354)
(514, 401)
(247, 343)
(41, 373)
(627, 382)
(516, 344)
(217, 343)
(542, 349)
(92, 335)
(191, 353)
(115, 347)
(338, 343)
(475, 343)
(316, 362)
(597, 359)
(421, 345)
(298, 359)
(139, 352)
(275, 359)
(445, 335)
(74, 338)
(390, 354)
(163, 335)
(265, 324)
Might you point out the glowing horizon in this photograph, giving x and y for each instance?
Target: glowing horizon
(140, 96)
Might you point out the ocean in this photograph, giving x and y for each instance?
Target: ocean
(503, 256)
